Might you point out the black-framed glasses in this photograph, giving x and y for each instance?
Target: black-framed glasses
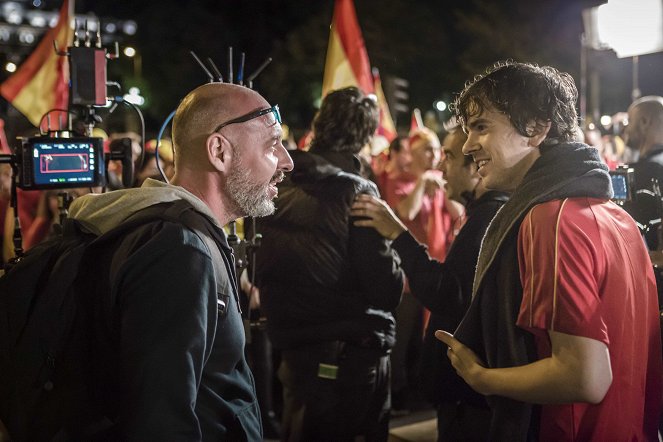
(273, 111)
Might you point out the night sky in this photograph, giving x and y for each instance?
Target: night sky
(435, 44)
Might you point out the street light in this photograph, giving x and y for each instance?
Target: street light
(136, 60)
(129, 51)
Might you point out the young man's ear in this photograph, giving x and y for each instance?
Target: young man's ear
(540, 131)
(219, 152)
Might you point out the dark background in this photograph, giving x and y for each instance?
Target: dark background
(434, 44)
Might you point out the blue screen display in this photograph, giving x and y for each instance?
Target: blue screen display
(66, 162)
(619, 186)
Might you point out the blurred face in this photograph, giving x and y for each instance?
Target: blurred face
(259, 163)
(460, 176)
(635, 133)
(425, 156)
(502, 155)
(403, 158)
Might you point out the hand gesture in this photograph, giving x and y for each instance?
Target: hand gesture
(374, 212)
(432, 182)
(466, 363)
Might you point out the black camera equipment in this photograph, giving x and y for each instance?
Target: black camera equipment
(63, 158)
(622, 184)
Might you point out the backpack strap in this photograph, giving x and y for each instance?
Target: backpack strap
(182, 212)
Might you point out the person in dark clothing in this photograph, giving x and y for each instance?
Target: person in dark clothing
(644, 134)
(564, 311)
(445, 288)
(177, 342)
(329, 288)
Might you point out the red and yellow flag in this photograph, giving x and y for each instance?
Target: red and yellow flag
(347, 61)
(386, 128)
(347, 64)
(41, 82)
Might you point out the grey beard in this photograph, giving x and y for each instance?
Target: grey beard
(250, 199)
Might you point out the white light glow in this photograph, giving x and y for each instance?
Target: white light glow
(631, 27)
(10, 67)
(38, 20)
(440, 105)
(129, 27)
(129, 51)
(134, 97)
(606, 120)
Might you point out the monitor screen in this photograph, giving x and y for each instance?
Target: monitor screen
(619, 186)
(65, 162)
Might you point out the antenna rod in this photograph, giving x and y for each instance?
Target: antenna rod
(259, 70)
(240, 73)
(215, 69)
(207, 72)
(230, 64)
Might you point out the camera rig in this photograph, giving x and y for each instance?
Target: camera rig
(61, 158)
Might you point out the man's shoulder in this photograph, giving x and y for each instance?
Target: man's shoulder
(569, 215)
(168, 228)
(543, 212)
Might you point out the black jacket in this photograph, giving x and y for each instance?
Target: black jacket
(168, 364)
(321, 278)
(646, 207)
(446, 290)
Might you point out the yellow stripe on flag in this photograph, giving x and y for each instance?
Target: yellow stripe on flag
(338, 71)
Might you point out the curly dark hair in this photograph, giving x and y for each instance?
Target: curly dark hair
(525, 93)
(346, 122)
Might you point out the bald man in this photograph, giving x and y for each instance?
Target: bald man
(644, 134)
(171, 365)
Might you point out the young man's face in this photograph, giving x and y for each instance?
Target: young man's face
(460, 176)
(502, 154)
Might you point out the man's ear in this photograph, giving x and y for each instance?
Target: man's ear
(539, 132)
(219, 152)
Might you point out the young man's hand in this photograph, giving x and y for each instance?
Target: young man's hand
(375, 213)
(466, 363)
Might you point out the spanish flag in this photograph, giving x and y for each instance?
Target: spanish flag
(41, 82)
(347, 64)
(347, 61)
(386, 128)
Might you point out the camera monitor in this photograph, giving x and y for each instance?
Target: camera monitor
(51, 163)
(622, 182)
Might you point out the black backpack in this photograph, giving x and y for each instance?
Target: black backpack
(44, 354)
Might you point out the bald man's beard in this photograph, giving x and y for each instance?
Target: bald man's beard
(251, 199)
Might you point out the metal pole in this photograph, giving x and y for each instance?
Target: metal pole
(583, 80)
(635, 93)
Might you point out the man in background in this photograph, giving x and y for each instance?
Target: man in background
(329, 288)
(445, 288)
